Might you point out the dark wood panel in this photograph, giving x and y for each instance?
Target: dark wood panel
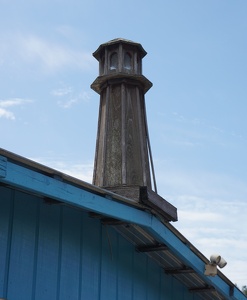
(159, 204)
(113, 162)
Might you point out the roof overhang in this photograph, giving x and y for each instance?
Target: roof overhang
(31, 177)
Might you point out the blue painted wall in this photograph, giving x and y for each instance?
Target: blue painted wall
(57, 252)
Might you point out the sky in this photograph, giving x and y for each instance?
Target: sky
(196, 108)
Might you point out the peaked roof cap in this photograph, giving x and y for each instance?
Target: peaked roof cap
(97, 53)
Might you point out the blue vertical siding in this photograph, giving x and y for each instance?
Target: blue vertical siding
(140, 267)
(48, 253)
(58, 252)
(70, 255)
(6, 210)
(22, 246)
(91, 258)
(125, 274)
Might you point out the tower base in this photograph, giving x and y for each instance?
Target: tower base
(145, 195)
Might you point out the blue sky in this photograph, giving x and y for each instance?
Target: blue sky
(196, 108)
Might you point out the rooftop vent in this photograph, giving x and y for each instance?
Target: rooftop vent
(123, 159)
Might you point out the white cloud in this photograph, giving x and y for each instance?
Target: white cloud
(62, 91)
(81, 97)
(69, 103)
(77, 170)
(211, 213)
(52, 56)
(181, 184)
(200, 216)
(68, 97)
(8, 114)
(18, 49)
(83, 171)
(14, 102)
(69, 32)
(216, 227)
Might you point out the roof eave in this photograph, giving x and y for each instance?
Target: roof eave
(29, 176)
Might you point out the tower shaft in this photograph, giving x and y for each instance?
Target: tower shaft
(122, 151)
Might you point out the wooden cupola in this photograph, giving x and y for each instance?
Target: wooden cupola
(120, 58)
(123, 160)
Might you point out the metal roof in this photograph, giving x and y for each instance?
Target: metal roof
(148, 232)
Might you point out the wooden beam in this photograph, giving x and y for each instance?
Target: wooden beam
(113, 222)
(202, 289)
(51, 201)
(107, 221)
(152, 248)
(163, 207)
(179, 271)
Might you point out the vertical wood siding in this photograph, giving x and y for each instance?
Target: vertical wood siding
(57, 252)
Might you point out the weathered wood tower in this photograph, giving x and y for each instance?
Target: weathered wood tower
(123, 155)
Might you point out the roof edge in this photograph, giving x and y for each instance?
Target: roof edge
(33, 177)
